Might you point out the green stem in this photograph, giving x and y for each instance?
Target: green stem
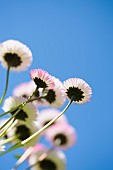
(9, 111)
(6, 87)
(9, 120)
(13, 116)
(35, 99)
(4, 131)
(8, 140)
(46, 126)
(3, 114)
(17, 145)
(21, 144)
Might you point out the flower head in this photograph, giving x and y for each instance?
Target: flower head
(55, 160)
(77, 90)
(46, 115)
(56, 97)
(27, 114)
(24, 89)
(22, 131)
(42, 79)
(15, 55)
(62, 135)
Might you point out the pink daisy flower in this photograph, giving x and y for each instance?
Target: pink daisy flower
(42, 79)
(15, 55)
(62, 135)
(55, 160)
(77, 90)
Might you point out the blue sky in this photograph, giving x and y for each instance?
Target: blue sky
(69, 38)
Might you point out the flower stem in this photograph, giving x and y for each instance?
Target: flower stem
(20, 108)
(9, 120)
(42, 157)
(23, 158)
(46, 126)
(21, 144)
(4, 131)
(3, 114)
(6, 87)
(17, 145)
(9, 111)
(8, 140)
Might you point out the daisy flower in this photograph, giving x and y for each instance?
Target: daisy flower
(46, 115)
(56, 97)
(27, 114)
(77, 90)
(24, 89)
(42, 79)
(22, 131)
(54, 160)
(15, 55)
(62, 135)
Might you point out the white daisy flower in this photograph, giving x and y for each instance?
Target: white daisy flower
(22, 131)
(78, 90)
(27, 114)
(55, 160)
(42, 79)
(62, 135)
(56, 97)
(46, 115)
(15, 55)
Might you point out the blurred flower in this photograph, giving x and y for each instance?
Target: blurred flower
(15, 55)
(78, 90)
(62, 135)
(24, 89)
(22, 131)
(2, 147)
(44, 160)
(27, 114)
(42, 79)
(46, 115)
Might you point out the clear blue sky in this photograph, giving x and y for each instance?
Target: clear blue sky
(69, 38)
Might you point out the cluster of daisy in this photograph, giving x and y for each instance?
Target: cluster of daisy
(29, 120)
